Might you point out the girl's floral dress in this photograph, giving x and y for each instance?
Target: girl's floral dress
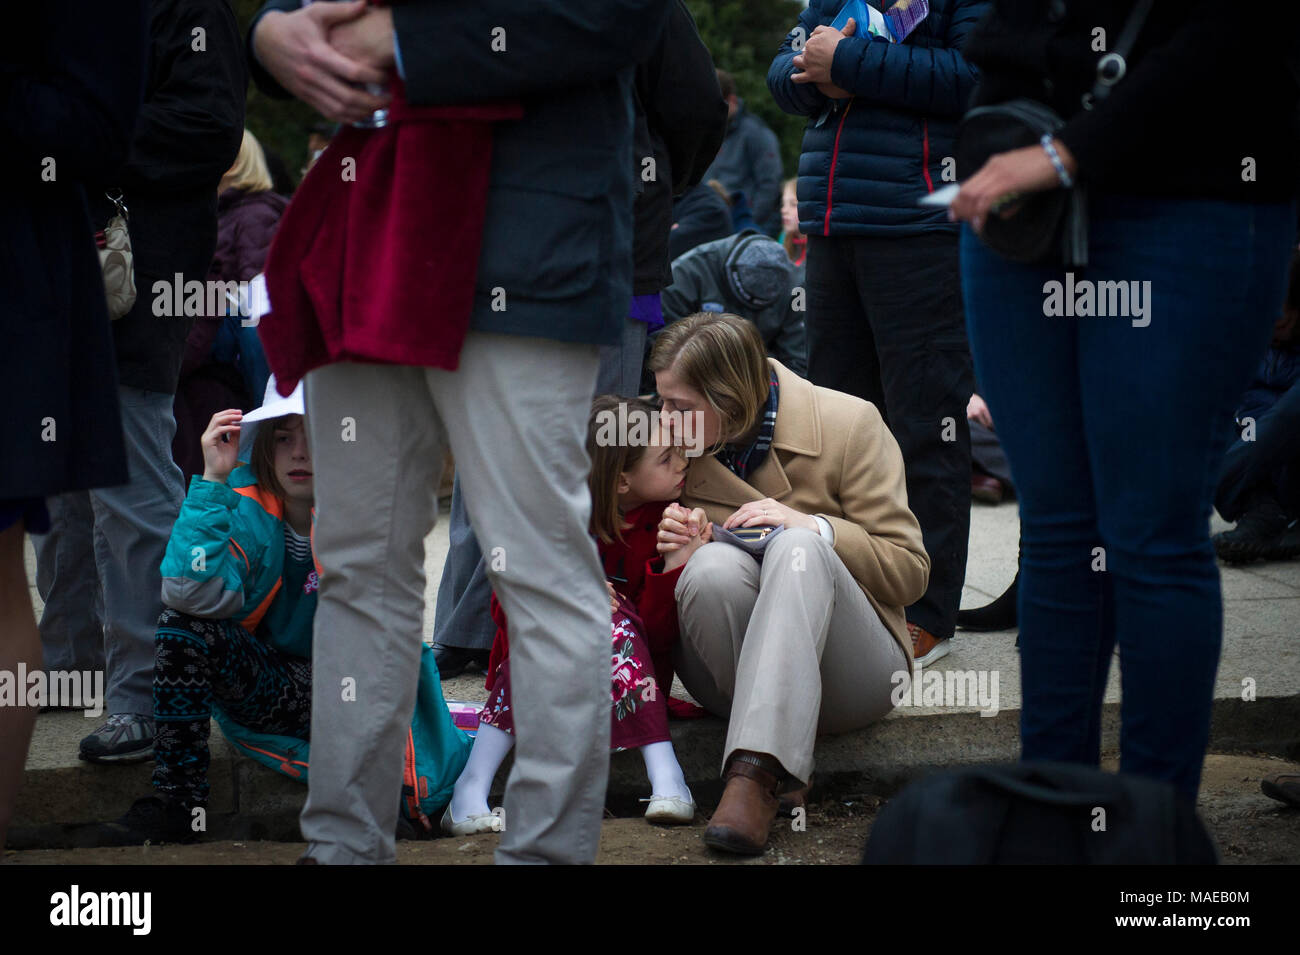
(638, 705)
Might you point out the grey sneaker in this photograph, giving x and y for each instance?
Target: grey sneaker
(124, 738)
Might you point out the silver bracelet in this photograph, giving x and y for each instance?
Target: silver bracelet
(1066, 179)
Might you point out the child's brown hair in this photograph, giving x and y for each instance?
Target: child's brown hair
(263, 453)
(611, 458)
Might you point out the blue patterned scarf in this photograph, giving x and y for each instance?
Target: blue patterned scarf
(744, 461)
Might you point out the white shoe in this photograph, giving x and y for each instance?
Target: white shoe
(471, 825)
(669, 810)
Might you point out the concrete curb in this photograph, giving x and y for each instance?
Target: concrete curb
(251, 802)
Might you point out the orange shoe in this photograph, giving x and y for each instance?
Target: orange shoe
(926, 647)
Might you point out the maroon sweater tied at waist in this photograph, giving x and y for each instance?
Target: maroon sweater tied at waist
(376, 257)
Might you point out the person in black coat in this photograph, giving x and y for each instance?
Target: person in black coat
(748, 275)
(98, 569)
(71, 79)
(680, 122)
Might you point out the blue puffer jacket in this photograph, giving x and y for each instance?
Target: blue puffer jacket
(225, 556)
(867, 160)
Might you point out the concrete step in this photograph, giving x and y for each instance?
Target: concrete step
(251, 801)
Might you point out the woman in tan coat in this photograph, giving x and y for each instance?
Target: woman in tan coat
(808, 639)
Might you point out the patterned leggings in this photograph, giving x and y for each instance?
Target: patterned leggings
(201, 662)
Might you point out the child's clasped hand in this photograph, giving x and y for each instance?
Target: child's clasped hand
(682, 533)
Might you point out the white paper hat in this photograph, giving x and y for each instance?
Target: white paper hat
(273, 406)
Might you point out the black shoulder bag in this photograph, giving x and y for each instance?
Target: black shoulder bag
(1051, 225)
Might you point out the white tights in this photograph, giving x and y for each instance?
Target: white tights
(491, 746)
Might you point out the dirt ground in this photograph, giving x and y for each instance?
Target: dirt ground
(1249, 828)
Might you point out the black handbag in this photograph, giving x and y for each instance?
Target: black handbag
(1038, 814)
(1051, 225)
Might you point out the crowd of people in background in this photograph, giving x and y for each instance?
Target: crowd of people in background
(225, 529)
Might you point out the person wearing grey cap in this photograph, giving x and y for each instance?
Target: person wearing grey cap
(747, 275)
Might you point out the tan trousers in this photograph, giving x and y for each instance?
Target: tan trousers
(515, 416)
(785, 649)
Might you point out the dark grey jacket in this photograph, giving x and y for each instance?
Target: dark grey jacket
(700, 285)
(750, 162)
(558, 234)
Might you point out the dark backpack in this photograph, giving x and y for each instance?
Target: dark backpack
(1038, 813)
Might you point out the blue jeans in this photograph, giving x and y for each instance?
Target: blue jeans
(1115, 428)
(98, 568)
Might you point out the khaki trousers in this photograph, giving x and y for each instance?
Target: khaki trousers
(785, 649)
(514, 414)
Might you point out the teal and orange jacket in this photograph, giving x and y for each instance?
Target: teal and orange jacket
(225, 560)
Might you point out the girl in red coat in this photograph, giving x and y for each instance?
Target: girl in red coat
(635, 472)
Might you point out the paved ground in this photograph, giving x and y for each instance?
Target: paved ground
(857, 770)
(1247, 826)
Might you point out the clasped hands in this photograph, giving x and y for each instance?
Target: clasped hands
(325, 53)
(683, 532)
(818, 54)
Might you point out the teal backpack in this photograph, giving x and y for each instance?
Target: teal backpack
(436, 749)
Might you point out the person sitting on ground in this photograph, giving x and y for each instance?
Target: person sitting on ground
(811, 638)
(747, 275)
(239, 588)
(631, 482)
(1260, 484)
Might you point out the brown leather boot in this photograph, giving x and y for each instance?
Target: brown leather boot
(793, 799)
(748, 806)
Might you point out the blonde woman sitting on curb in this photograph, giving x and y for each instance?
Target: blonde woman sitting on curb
(808, 639)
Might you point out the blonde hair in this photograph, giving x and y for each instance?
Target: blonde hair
(787, 237)
(721, 356)
(249, 172)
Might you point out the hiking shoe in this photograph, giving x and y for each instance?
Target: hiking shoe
(1262, 533)
(124, 738)
(926, 647)
(153, 819)
(1284, 787)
